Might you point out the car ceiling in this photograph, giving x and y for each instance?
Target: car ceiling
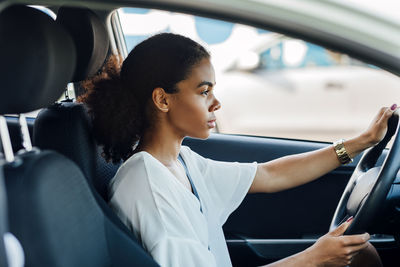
(334, 30)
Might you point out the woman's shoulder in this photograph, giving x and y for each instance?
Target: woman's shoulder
(134, 163)
(193, 158)
(188, 153)
(131, 173)
(185, 150)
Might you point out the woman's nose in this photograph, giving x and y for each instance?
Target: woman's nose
(215, 105)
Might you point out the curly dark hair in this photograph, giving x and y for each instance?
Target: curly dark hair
(119, 97)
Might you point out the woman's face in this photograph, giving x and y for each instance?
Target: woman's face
(192, 109)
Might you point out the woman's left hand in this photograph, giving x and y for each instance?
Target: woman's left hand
(379, 125)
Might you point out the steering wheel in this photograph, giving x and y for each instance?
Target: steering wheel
(365, 194)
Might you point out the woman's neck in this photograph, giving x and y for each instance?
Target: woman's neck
(161, 144)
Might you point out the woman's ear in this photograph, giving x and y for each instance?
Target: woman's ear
(160, 99)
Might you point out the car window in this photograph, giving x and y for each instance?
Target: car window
(45, 10)
(273, 85)
(296, 54)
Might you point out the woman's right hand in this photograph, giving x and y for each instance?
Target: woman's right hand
(335, 249)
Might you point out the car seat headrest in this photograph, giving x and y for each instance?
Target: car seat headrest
(90, 38)
(38, 59)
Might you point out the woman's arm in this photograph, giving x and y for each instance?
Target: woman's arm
(291, 171)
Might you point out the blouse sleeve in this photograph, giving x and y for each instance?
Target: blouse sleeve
(227, 182)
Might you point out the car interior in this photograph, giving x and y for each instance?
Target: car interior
(4, 222)
(53, 189)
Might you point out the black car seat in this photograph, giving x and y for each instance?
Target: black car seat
(3, 215)
(65, 127)
(3, 221)
(52, 209)
(11, 253)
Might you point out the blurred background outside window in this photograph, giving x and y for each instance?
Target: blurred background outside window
(273, 85)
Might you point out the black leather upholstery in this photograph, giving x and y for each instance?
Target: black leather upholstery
(65, 127)
(20, 77)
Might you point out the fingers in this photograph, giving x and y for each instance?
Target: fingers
(380, 113)
(350, 252)
(355, 240)
(341, 228)
(387, 113)
(353, 251)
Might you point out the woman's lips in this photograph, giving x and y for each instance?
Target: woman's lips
(211, 123)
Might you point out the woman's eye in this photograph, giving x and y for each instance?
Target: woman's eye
(205, 92)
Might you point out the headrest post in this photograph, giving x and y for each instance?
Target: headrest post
(69, 93)
(26, 140)
(5, 139)
(66, 94)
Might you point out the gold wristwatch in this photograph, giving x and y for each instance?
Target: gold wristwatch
(341, 152)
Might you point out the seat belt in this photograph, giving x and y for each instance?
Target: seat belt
(191, 183)
(190, 180)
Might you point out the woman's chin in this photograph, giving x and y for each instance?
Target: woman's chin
(204, 135)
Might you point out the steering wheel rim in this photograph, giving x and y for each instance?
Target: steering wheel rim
(367, 189)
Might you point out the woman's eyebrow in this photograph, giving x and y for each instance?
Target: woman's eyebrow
(206, 83)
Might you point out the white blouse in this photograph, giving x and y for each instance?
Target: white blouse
(165, 216)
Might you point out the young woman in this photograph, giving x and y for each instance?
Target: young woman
(176, 201)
